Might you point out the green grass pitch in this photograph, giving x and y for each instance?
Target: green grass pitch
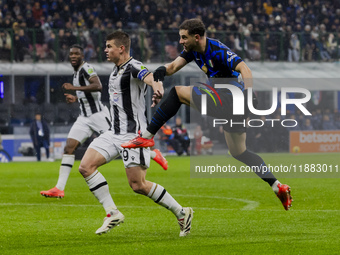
(232, 215)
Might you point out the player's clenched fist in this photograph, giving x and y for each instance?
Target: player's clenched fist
(68, 86)
(159, 73)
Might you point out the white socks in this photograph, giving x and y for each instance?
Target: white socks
(275, 187)
(152, 154)
(64, 171)
(146, 134)
(163, 198)
(100, 189)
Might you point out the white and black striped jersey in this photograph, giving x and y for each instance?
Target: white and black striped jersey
(90, 102)
(127, 97)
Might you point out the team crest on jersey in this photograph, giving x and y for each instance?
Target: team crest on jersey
(121, 72)
(204, 68)
(90, 70)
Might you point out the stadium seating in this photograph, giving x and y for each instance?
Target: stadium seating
(5, 116)
(49, 113)
(74, 111)
(18, 114)
(31, 110)
(64, 114)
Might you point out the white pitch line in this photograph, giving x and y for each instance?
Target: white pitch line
(158, 207)
(122, 206)
(250, 205)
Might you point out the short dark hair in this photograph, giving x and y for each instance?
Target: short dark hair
(78, 47)
(121, 38)
(194, 26)
(38, 112)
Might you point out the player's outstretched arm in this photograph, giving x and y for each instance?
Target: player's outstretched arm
(247, 76)
(95, 85)
(169, 69)
(158, 90)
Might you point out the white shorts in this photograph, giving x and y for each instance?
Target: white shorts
(108, 144)
(84, 127)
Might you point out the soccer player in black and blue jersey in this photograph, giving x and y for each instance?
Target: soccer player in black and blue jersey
(216, 60)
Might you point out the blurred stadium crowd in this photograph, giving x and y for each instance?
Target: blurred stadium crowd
(290, 30)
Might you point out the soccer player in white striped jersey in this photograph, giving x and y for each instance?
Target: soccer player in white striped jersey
(127, 87)
(94, 117)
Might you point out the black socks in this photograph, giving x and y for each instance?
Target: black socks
(166, 111)
(258, 166)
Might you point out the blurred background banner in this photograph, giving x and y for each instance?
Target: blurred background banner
(314, 141)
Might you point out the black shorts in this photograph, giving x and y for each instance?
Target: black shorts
(235, 123)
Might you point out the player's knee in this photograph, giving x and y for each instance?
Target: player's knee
(85, 170)
(183, 94)
(137, 187)
(69, 150)
(82, 169)
(71, 146)
(235, 153)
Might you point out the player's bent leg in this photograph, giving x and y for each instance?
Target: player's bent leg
(71, 146)
(91, 160)
(67, 162)
(95, 180)
(236, 142)
(100, 189)
(177, 96)
(237, 146)
(184, 215)
(184, 94)
(136, 177)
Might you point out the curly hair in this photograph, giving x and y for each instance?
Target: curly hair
(194, 26)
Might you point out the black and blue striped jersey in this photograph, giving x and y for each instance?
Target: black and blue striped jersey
(218, 61)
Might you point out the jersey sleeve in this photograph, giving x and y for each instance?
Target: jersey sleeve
(89, 71)
(188, 56)
(231, 59)
(139, 71)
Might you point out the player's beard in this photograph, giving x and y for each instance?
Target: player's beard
(186, 48)
(76, 63)
(189, 47)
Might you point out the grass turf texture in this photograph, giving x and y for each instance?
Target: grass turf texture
(232, 216)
